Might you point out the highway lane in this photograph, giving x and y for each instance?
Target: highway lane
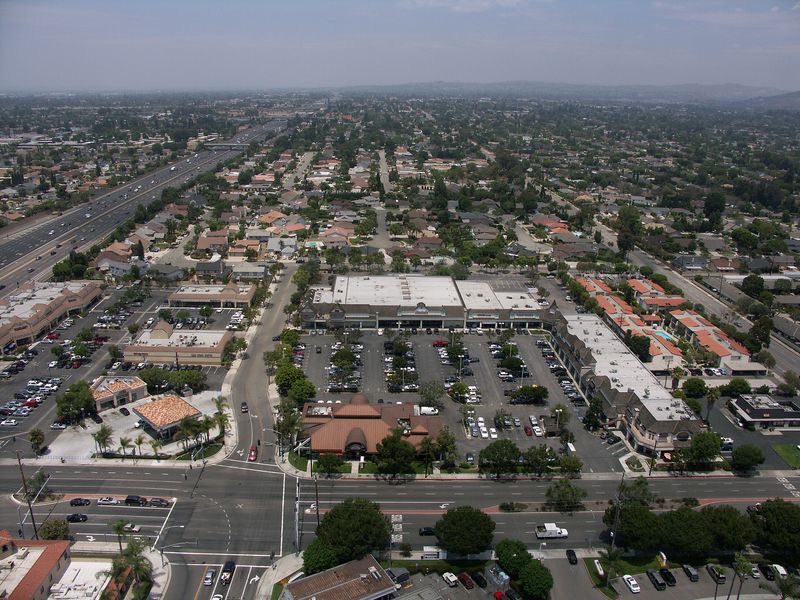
(19, 249)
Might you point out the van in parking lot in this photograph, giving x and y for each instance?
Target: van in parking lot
(656, 579)
(716, 574)
(691, 572)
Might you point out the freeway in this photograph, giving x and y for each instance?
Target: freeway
(30, 252)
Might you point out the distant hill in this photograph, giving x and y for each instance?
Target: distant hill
(790, 101)
(689, 93)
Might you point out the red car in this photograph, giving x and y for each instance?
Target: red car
(466, 580)
(253, 456)
(440, 343)
(528, 430)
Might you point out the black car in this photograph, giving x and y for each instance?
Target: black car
(512, 595)
(572, 557)
(276, 338)
(766, 570)
(479, 580)
(80, 502)
(613, 439)
(76, 518)
(159, 502)
(668, 577)
(97, 418)
(125, 411)
(427, 531)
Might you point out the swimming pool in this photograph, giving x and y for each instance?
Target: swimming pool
(665, 336)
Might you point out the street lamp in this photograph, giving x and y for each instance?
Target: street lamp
(161, 548)
(558, 416)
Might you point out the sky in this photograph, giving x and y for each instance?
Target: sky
(148, 45)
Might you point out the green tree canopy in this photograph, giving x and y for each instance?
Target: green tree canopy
(746, 457)
(564, 496)
(512, 555)
(395, 454)
(536, 581)
(76, 402)
(465, 530)
(54, 529)
(694, 387)
(706, 446)
(499, 458)
(353, 528)
(318, 557)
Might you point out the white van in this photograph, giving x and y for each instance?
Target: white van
(780, 571)
(428, 410)
(450, 579)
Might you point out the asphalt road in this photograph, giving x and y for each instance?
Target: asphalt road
(30, 252)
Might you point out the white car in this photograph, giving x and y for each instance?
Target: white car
(481, 422)
(116, 366)
(537, 431)
(52, 364)
(484, 433)
(632, 584)
(107, 501)
(9, 422)
(493, 433)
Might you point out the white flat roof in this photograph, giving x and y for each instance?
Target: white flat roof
(394, 290)
(23, 302)
(613, 359)
(478, 295)
(179, 339)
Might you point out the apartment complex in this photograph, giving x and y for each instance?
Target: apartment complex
(632, 398)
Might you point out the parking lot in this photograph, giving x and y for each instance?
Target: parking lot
(107, 321)
(596, 453)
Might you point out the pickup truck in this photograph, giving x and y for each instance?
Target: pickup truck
(227, 572)
(550, 530)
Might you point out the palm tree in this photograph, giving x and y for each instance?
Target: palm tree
(783, 587)
(103, 437)
(677, 374)
(427, 450)
(36, 438)
(134, 557)
(741, 567)
(185, 430)
(156, 445)
(124, 444)
(207, 423)
(711, 397)
(119, 529)
(222, 419)
(611, 560)
(139, 441)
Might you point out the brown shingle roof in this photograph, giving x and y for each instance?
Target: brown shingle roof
(355, 580)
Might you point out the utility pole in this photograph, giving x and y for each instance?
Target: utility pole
(27, 497)
(316, 497)
(618, 503)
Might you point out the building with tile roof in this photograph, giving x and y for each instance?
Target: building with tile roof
(114, 391)
(362, 579)
(29, 567)
(163, 415)
(354, 430)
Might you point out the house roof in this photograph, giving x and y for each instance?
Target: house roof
(53, 550)
(356, 580)
(166, 411)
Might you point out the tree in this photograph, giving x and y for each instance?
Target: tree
(354, 528)
(102, 437)
(778, 526)
(124, 444)
(430, 393)
(753, 285)
(499, 458)
(746, 457)
(788, 587)
(318, 557)
(761, 330)
(611, 561)
(636, 527)
(536, 459)
(119, 528)
(570, 465)
(465, 530)
(536, 581)
(427, 452)
(138, 441)
(36, 438)
(694, 387)
(677, 375)
(206, 311)
(136, 560)
(54, 529)
(395, 455)
(564, 496)
(164, 314)
(735, 387)
(446, 447)
(712, 396)
(221, 416)
(639, 345)
(156, 445)
(705, 447)
(76, 402)
(329, 464)
(636, 492)
(512, 555)
(731, 529)
(114, 352)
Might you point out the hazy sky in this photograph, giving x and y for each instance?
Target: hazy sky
(254, 44)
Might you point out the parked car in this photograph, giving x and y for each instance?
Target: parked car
(427, 531)
(632, 584)
(572, 557)
(159, 502)
(76, 518)
(107, 501)
(80, 502)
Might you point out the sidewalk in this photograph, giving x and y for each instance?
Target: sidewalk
(282, 569)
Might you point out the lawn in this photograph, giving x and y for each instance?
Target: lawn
(277, 589)
(298, 462)
(207, 451)
(789, 453)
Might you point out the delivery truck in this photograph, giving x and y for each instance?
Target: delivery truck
(550, 530)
